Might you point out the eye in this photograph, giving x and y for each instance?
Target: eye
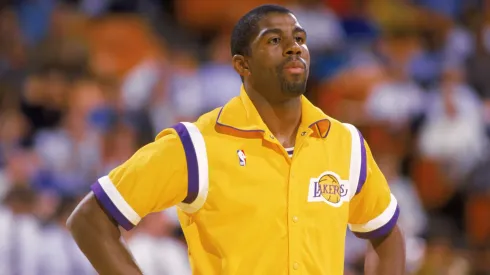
(274, 40)
(299, 39)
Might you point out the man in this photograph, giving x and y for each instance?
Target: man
(246, 204)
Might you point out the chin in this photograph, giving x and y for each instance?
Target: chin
(294, 88)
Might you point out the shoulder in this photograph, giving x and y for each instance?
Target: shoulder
(204, 124)
(342, 130)
(185, 138)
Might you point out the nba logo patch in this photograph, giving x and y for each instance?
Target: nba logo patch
(242, 159)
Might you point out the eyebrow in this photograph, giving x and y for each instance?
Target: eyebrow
(279, 31)
(299, 29)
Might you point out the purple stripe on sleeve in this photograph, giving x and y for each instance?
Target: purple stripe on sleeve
(363, 172)
(383, 230)
(192, 165)
(110, 207)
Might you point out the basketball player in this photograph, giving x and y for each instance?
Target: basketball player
(267, 184)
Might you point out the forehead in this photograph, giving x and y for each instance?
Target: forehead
(281, 21)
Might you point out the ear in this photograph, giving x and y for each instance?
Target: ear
(240, 65)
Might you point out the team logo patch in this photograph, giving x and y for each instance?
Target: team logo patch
(328, 188)
(242, 158)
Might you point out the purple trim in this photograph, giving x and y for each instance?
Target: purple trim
(192, 165)
(383, 230)
(110, 207)
(363, 172)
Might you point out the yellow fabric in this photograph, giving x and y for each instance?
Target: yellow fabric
(260, 217)
(155, 177)
(374, 197)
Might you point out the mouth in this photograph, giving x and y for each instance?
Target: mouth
(294, 67)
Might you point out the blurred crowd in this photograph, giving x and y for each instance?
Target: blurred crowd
(85, 83)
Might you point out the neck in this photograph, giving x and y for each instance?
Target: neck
(281, 117)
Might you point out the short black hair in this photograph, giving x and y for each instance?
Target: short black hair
(247, 27)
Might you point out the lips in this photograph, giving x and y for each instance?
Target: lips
(294, 65)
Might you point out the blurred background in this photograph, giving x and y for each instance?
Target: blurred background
(85, 83)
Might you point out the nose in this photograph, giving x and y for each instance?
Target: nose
(293, 49)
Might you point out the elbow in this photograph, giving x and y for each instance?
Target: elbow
(89, 218)
(73, 221)
(79, 218)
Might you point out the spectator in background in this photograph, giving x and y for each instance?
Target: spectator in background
(13, 55)
(454, 131)
(180, 98)
(43, 97)
(478, 66)
(155, 251)
(19, 233)
(397, 101)
(443, 256)
(70, 153)
(13, 128)
(58, 253)
(120, 142)
(219, 82)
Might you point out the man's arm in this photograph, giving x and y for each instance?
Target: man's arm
(386, 255)
(99, 238)
(153, 179)
(373, 215)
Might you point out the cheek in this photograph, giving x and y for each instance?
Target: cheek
(263, 66)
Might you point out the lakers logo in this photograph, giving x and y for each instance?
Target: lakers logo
(327, 188)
